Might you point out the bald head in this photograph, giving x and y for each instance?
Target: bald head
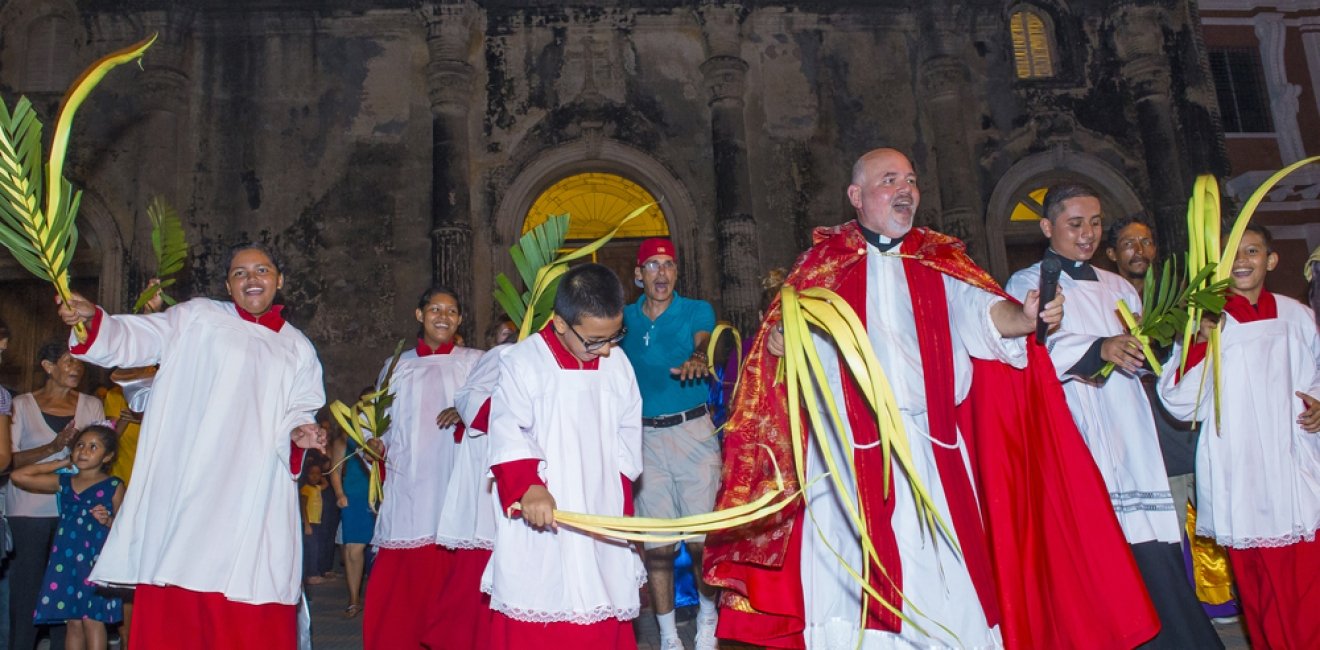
(884, 192)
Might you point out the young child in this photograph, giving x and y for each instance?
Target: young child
(565, 432)
(312, 499)
(420, 447)
(88, 502)
(1258, 462)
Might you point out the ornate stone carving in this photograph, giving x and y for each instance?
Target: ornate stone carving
(726, 78)
(943, 77)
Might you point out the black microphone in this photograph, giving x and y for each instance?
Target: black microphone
(1049, 285)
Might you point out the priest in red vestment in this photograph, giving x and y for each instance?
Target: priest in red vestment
(1035, 557)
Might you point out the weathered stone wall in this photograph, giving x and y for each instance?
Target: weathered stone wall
(366, 139)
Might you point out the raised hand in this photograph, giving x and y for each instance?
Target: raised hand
(309, 436)
(79, 309)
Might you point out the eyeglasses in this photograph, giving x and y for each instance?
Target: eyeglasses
(592, 346)
(655, 265)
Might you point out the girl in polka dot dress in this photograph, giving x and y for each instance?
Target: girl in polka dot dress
(88, 501)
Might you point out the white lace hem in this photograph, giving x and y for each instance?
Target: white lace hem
(465, 544)
(594, 615)
(1227, 541)
(404, 544)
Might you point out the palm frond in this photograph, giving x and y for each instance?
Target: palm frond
(170, 245)
(42, 237)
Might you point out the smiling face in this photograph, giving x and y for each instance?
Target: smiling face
(591, 331)
(657, 275)
(253, 281)
(440, 319)
(67, 372)
(89, 452)
(1254, 259)
(1134, 251)
(1075, 232)
(884, 193)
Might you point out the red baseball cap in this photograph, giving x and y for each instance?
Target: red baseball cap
(655, 246)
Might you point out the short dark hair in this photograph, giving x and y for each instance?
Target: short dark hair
(588, 290)
(430, 293)
(495, 327)
(252, 246)
(1264, 234)
(109, 437)
(1058, 193)
(1112, 232)
(52, 351)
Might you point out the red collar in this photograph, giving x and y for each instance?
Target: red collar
(1243, 311)
(272, 319)
(562, 356)
(424, 351)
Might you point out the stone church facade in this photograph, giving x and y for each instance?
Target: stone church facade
(382, 146)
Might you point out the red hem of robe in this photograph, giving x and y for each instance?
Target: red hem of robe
(509, 634)
(1279, 594)
(174, 617)
(405, 585)
(461, 618)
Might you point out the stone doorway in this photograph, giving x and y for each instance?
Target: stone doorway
(1013, 213)
(595, 203)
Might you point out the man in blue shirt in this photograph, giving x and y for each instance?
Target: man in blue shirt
(666, 342)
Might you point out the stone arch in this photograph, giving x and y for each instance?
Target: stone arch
(44, 38)
(686, 228)
(1038, 170)
(98, 227)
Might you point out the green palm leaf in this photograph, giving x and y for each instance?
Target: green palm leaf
(171, 247)
(43, 236)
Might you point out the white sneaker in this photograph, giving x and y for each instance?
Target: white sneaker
(706, 632)
(671, 643)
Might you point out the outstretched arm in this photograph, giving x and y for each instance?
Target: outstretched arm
(41, 477)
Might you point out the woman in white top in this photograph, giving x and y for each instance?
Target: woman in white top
(43, 424)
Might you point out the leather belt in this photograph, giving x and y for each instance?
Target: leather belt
(675, 418)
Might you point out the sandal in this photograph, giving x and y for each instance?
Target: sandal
(352, 610)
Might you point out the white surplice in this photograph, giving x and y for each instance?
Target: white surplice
(585, 428)
(1114, 416)
(212, 505)
(419, 455)
(935, 579)
(467, 518)
(1257, 470)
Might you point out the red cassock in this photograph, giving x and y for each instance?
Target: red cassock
(1044, 550)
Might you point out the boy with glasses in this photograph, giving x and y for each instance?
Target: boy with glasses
(565, 432)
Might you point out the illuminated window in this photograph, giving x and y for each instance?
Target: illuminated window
(1033, 53)
(595, 204)
(1030, 208)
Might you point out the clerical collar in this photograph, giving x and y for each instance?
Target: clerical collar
(1077, 270)
(565, 359)
(424, 350)
(271, 320)
(885, 244)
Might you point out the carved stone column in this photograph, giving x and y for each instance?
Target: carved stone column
(944, 77)
(1139, 41)
(1271, 33)
(449, 82)
(725, 75)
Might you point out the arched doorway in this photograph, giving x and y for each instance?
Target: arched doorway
(595, 202)
(1013, 213)
(693, 235)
